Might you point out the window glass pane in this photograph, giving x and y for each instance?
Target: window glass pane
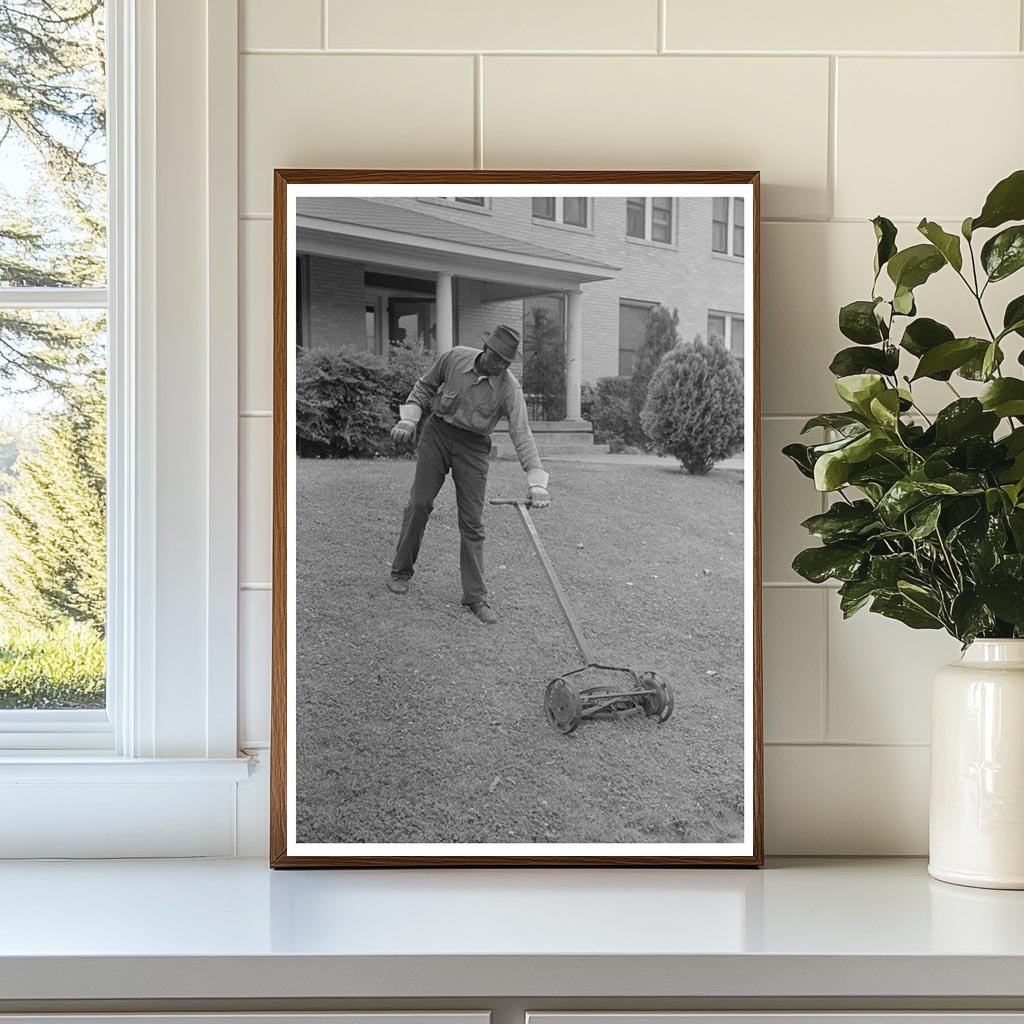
(661, 219)
(53, 149)
(720, 225)
(632, 327)
(574, 211)
(635, 218)
(716, 328)
(544, 208)
(472, 200)
(737, 227)
(52, 509)
(736, 339)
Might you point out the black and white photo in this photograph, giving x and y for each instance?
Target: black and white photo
(516, 564)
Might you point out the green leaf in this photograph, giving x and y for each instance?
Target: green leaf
(1004, 397)
(885, 236)
(970, 617)
(950, 355)
(854, 595)
(903, 302)
(1003, 254)
(990, 360)
(887, 570)
(1013, 317)
(843, 521)
(966, 417)
(912, 267)
(1005, 202)
(925, 518)
(885, 409)
(841, 421)
(947, 244)
(799, 455)
(974, 368)
(906, 494)
(831, 471)
(840, 561)
(965, 229)
(897, 607)
(857, 321)
(923, 335)
(1005, 596)
(858, 389)
(850, 361)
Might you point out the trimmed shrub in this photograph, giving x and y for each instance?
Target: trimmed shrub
(694, 409)
(588, 394)
(347, 402)
(661, 335)
(610, 413)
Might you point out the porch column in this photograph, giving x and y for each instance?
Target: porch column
(443, 300)
(573, 355)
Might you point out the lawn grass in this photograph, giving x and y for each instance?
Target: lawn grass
(416, 723)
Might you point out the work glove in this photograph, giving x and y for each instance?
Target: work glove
(403, 432)
(539, 497)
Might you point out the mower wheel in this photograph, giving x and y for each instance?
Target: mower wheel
(562, 705)
(659, 703)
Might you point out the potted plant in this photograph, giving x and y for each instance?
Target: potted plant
(927, 521)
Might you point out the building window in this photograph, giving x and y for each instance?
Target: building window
(650, 218)
(477, 204)
(471, 200)
(574, 211)
(544, 208)
(727, 226)
(53, 363)
(633, 317)
(727, 329)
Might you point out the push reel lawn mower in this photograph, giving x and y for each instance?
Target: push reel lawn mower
(592, 690)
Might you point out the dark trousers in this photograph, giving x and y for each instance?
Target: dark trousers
(442, 448)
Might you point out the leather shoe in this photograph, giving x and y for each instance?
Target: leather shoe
(484, 612)
(398, 586)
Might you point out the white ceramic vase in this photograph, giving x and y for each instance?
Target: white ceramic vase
(976, 811)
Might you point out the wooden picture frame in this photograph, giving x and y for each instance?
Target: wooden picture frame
(363, 259)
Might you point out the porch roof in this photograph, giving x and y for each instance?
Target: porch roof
(403, 229)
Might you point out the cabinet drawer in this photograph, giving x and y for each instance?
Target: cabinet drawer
(785, 1017)
(358, 1017)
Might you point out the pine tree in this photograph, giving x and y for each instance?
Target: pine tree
(52, 123)
(661, 335)
(53, 519)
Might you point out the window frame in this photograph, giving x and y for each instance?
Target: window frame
(648, 236)
(644, 304)
(94, 730)
(728, 319)
(557, 220)
(731, 229)
(162, 712)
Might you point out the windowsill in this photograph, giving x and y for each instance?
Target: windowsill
(558, 225)
(78, 766)
(727, 257)
(651, 243)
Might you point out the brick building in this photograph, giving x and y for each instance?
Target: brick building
(577, 275)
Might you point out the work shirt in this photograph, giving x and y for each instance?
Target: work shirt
(471, 401)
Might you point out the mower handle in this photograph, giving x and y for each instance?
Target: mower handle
(511, 501)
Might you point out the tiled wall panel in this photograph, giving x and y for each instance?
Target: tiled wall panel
(471, 25)
(838, 138)
(875, 25)
(685, 113)
(351, 111)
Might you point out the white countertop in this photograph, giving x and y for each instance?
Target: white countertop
(234, 928)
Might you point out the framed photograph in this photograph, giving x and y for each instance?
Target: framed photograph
(516, 561)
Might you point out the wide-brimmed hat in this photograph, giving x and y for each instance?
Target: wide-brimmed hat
(504, 340)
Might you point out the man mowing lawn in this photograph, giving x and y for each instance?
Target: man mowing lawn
(471, 390)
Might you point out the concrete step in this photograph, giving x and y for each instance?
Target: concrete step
(560, 437)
